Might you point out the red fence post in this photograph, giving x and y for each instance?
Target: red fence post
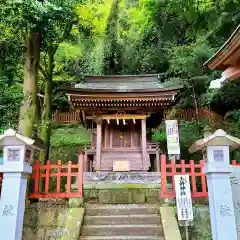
(47, 176)
(59, 168)
(193, 177)
(203, 180)
(36, 177)
(69, 177)
(173, 172)
(163, 174)
(80, 174)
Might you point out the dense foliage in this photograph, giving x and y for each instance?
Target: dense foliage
(113, 37)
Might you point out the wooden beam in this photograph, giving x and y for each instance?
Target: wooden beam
(111, 137)
(106, 136)
(120, 116)
(98, 145)
(157, 161)
(144, 144)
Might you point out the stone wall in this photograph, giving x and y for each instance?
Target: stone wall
(122, 193)
(50, 220)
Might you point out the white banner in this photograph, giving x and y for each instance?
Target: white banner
(183, 197)
(172, 137)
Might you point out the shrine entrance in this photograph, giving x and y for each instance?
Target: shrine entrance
(122, 134)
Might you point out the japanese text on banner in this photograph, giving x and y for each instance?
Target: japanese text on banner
(172, 137)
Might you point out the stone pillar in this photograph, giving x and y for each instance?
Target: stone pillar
(157, 161)
(12, 205)
(98, 144)
(17, 157)
(220, 196)
(144, 144)
(215, 149)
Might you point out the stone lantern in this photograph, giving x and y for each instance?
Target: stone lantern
(215, 149)
(16, 165)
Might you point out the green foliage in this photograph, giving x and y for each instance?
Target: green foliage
(159, 135)
(185, 59)
(232, 122)
(34, 14)
(70, 136)
(191, 131)
(10, 98)
(201, 229)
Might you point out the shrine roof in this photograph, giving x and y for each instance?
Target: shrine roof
(123, 83)
(133, 91)
(228, 54)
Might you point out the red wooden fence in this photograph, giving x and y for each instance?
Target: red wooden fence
(63, 173)
(195, 171)
(234, 163)
(57, 188)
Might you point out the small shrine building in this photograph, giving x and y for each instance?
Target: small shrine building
(122, 110)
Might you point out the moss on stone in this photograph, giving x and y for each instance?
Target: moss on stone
(52, 223)
(73, 224)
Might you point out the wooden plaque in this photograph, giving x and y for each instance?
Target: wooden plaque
(121, 166)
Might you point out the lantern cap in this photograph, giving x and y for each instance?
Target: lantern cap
(219, 138)
(12, 134)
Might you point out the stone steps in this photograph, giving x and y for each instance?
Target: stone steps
(123, 221)
(123, 238)
(120, 209)
(122, 230)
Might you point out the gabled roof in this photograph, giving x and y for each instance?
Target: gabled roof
(123, 83)
(228, 54)
(122, 91)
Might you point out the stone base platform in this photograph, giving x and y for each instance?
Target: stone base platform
(121, 187)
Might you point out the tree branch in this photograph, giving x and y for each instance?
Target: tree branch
(44, 74)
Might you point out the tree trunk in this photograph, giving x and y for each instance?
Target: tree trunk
(28, 105)
(47, 107)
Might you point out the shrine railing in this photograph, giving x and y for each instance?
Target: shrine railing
(66, 117)
(152, 145)
(194, 170)
(56, 180)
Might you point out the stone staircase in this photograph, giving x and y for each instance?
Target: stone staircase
(132, 221)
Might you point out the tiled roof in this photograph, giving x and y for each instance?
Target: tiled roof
(121, 83)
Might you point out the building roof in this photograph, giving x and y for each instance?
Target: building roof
(122, 91)
(122, 83)
(228, 54)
